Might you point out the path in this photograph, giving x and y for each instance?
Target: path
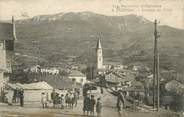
(109, 110)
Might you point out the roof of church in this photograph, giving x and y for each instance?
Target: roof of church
(6, 31)
(98, 46)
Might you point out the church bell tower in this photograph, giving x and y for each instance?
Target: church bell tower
(99, 56)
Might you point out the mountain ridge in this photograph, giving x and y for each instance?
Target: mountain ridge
(76, 34)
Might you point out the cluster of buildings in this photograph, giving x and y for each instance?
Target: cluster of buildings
(116, 76)
(73, 74)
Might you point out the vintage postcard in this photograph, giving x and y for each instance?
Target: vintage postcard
(96, 58)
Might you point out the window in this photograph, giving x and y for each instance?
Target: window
(1, 46)
(9, 45)
(73, 80)
(81, 80)
(100, 52)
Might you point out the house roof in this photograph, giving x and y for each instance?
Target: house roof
(137, 83)
(58, 82)
(75, 73)
(128, 77)
(115, 80)
(133, 89)
(31, 86)
(173, 84)
(6, 31)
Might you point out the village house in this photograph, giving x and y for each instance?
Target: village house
(32, 91)
(7, 38)
(35, 68)
(77, 77)
(110, 76)
(45, 70)
(118, 67)
(60, 83)
(74, 67)
(140, 68)
(50, 71)
(174, 86)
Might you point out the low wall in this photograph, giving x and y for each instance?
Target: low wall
(29, 95)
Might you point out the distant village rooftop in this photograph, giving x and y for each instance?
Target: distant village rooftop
(75, 73)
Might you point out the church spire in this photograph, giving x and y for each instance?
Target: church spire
(98, 46)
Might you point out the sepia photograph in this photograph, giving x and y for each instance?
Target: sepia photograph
(91, 58)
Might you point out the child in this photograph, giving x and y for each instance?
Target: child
(44, 100)
(99, 107)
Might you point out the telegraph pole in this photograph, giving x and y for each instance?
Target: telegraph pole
(158, 84)
(154, 76)
(156, 80)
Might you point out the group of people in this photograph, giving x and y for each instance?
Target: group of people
(60, 100)
(89, 105)
(18, 96)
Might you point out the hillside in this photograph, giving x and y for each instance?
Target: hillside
(54, 37)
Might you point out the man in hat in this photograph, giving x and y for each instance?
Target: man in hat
(86, 104)
(99, 107)
(22, 97)
(92, 105)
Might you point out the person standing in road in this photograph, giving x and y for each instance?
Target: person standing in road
(76, 96)
(98, 107)
(22, 97)
(86, 104)
(120, 101)
(44, 100)
(92, 105)
(62, 101)
(14, 95)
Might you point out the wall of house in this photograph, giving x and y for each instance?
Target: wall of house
(1, 79)
(81, 80)
(30, 95)
(33, 95)
(9, 58)
(2, 57)
(5, 57)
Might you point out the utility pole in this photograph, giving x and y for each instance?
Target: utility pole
(156, 80)
(158, 84)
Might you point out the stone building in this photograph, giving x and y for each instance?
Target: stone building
(7, 37)
(77, 77)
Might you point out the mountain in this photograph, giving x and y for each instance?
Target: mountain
(66, 34)
(40, 19)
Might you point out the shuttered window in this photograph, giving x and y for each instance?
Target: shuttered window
(9, 45)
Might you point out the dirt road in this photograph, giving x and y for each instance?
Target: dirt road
(109, 110)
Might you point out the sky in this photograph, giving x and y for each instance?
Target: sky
(168, 12)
